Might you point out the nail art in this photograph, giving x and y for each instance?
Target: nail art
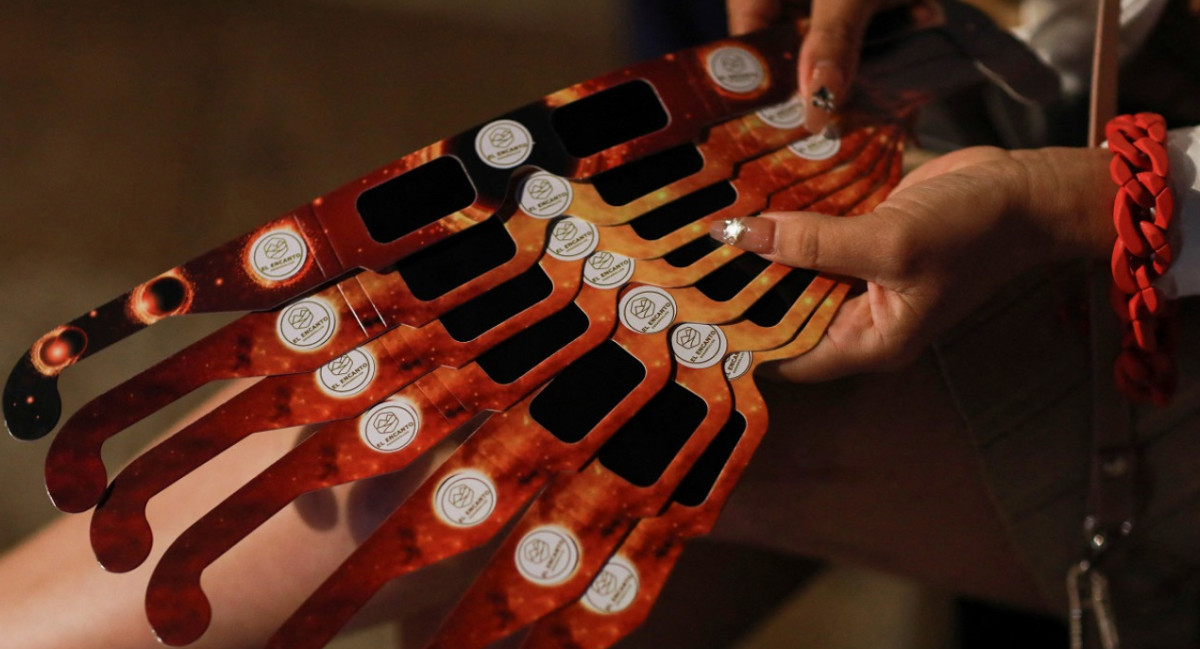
(823, 98)
(732, 231)
(748, 233)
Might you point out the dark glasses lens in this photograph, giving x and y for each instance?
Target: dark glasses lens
(643, 448)
(467, 322)
(685, 210)
(691, 253)
(576, 400)
(444, 266)
(729, 280)
(694, 488)
(608, 118)
(770, 309)
(513, 358)
(415, 199)
(632, 180)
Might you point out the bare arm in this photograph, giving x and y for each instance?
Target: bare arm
(55, 595)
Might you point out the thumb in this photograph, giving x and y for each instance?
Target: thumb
(833, 244)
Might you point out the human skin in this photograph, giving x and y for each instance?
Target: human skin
(875, 464)
(55, 595)
(955, 230)
(829, 54)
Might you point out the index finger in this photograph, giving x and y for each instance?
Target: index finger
(829, 55)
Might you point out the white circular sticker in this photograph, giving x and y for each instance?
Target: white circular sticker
(614, 589)
(647, 310)
(816, 147)
(735, 69)
(390, 426)
(348, 374)
(307, 325)
(572, 239)
(547, 555)
(503, 144)
(465, 498)
(788, 114)
(737, 364)
(698, 345)
(278, 255)
(545, 195)
(606, 269)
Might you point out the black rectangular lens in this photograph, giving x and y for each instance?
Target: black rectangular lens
(578, 398)
(770, 308)
(665, 219)
(415, 199)
(704, 473)
(692, 252)
(437, 269)
(609, 117)
(635, 179)
(728, 280)
(511, 359)
(467, 321)
(644, 447)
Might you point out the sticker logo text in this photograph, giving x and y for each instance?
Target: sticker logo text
(816, 147)
(503, 144)
(307, 325)
(547, 555)
(348, 374)
(465, 498)
(735, 69)
(546, 196)
(390, 426)
(785, 115)
(278, 255)
(698, 345)
(647, 310)
(572, 239)
(614, 589)
(607, 269)
(737, 364)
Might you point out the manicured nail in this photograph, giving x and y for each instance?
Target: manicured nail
(827, 82)
(747, 232)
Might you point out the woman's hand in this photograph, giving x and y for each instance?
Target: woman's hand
(829, 54)
(954, 231)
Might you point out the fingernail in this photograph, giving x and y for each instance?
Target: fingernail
(747, 232)
(827, 82)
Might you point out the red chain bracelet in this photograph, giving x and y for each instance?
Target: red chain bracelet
(1142, 214)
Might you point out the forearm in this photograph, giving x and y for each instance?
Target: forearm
(55, 595)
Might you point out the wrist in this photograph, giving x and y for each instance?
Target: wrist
(1068, 193)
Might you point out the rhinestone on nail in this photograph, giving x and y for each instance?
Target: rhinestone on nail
(824, 99)
(733, 231)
